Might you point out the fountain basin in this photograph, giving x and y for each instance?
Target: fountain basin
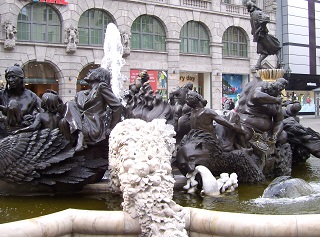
(73, 222)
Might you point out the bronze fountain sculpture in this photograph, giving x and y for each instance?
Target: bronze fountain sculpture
(47, 145)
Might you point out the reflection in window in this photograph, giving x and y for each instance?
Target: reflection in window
(234, 43)
(194, 38)
(92, 26)
(148, 33)
(39, 22)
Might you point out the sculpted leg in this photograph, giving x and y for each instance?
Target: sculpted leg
(261, 58)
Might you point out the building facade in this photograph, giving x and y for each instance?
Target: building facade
(208, 43)
(298, 28)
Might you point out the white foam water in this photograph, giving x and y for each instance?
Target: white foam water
(283, 201)
(113, 60)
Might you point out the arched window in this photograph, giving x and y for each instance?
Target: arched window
(194, 38)
(148, 33)
(234, 43)
(92, 26)
(40, 23)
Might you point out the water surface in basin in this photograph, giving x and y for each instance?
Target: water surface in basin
(246, 199)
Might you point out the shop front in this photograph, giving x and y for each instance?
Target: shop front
(232, 85)
(201, 83)
(300, 89)
(39, 77)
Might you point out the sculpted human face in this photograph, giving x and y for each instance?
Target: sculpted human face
(191, 155)
(13, 80)
(91, 76)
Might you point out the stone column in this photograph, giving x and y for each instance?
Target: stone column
(216, 54)
(173, 48)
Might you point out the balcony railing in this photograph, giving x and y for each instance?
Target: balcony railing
(206, 5)
(196, 3)
(237, 9)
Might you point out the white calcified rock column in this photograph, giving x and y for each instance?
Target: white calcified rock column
(140, 167)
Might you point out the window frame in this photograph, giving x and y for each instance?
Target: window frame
(148, 33)
(194, 38)
(33, 25)
(231, 41)
(93, 30)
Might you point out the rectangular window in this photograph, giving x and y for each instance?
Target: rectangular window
(233, 49)
(135, 41)
(96, 37)
(159, 43)
(184, 45)
(193, 46)
(39, 33)
(242, 50)
(83, 36)
(225, 49)
(24, 31)
(54, 34)
(204, 47)
(147, 42)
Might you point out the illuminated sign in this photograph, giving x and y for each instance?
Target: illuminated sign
(60, 2)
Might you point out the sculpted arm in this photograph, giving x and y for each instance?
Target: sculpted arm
(259, 97)
(278, 125)
(33, 127)
(113, 102)
(225, 122)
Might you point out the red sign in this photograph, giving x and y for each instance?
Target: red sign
(153, 75)
(60, 2)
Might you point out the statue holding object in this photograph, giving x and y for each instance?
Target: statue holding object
(266, 44)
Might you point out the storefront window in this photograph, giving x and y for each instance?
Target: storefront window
(39, 22)
(92, 26)
(39, 77)
(232, 87)
(194, 38)
(306, 99)
(148, 33)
